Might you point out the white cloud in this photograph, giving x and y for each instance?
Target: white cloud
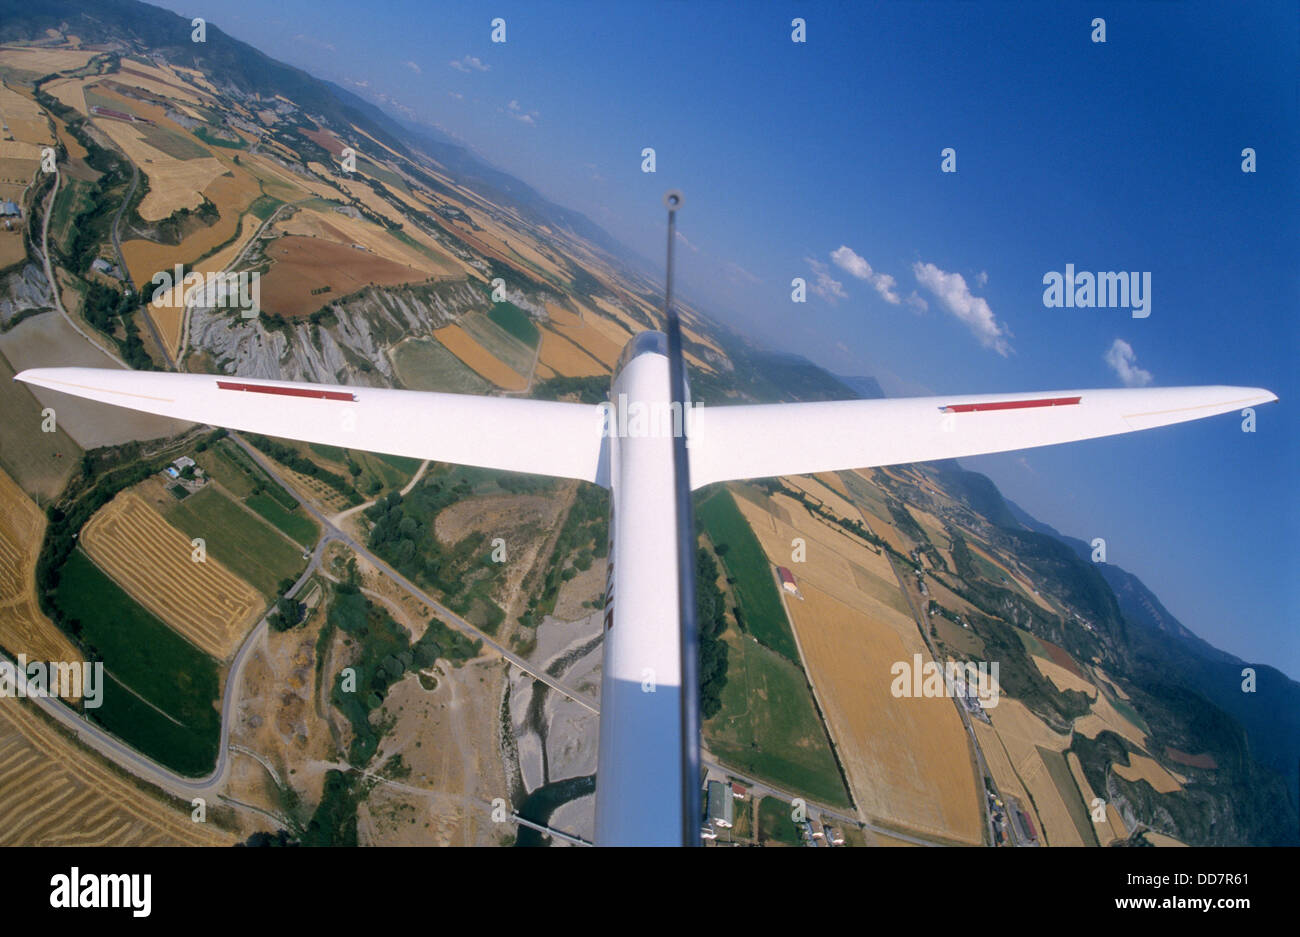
(916, 302)
(823, 284)
(982, 279)
(848, 260)
(972, 311)
(413, 67)
(470, 63)
(1123, 361)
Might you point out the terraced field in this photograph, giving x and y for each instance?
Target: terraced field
(152, 561)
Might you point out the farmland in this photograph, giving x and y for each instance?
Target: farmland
(424, 364)
(756, 596)
(55, 793)
(303, 264)
(249, 547)
(457, 341)
(39, 462)
(152, 561)
(768, 726)
(23, 628)
(160, 691)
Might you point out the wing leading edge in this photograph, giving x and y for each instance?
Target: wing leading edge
(764, 440)
(538, 436)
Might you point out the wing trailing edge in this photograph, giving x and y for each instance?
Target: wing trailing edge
(763, 440)
(513, 434)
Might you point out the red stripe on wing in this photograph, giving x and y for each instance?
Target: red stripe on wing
(1011, 404)
(288, 391)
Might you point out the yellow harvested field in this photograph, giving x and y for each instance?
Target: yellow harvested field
(173, 183)
(68, 91)
(1142, 768)
(169, 318)
(995, 755)
(133, 76)
(1160, 839)
(17, 149)
(43, 61)
(455, 340)
(907, 759)
(838, 504)
(152, 560)
(834, 562)
(24, 117)
(1104, 716)
(1109, 831)
(55, 793)
(590, 339)
(344, 229)
(11, 248)
(565, 358)
(231, 194)
(1021, 732)
(23, 628)
(1063, 679)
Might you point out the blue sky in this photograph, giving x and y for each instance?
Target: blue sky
(1117, 156)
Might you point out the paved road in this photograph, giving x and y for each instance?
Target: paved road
(764, 789)
(410, 588)
(54, 283)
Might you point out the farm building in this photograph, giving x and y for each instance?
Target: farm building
(738, 790)
(9, 209)
(787, 580)
(720, 810)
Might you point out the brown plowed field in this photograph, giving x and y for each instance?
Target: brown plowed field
(302, 264)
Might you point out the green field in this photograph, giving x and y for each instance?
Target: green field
(424, 364)
(251, 548)
(162, 693)
(774, 823)
(755, 589)
(515, 321)
(264, 206)
(769, 727)
(212, 139)
(297, 526)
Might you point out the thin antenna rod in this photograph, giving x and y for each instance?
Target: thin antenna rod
(690, 689)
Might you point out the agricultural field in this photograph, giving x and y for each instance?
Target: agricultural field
(303, 264)
(1143, 768)
(563, 357)
(907, 758)
(41, 463)
(756, 594)
(46, 341)
(1059, 770)
(457, 341)
(1112, 829)
(161, 692)
(251, 548)
(424, 364)
(204, 602)
(502, 345)
(1023, 734)
(53, 792)
(768, 726)
(24, 629)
